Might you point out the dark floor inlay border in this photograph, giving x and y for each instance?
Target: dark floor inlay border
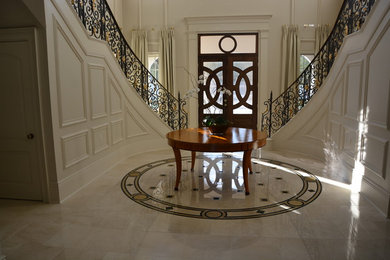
(311, 189)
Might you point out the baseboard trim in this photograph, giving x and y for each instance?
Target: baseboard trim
(69, 187)
(377, 195)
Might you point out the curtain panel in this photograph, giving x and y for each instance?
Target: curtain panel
(139, 45)
(321, 34)
(290, 55)
(167, 58)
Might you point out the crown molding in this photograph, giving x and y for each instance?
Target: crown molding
(227, 19)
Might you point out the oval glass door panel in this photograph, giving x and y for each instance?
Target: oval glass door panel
(243, 87)
(229, 64)
(212, 99)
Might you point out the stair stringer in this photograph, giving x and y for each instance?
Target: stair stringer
(347, 122)
(98, 118)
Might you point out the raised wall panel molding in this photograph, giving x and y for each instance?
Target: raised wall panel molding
(100, 138)
(336, 103)
(335, 133)
(97, 91)
(115, 99)
(350, 143)
(375, 186)
(378, 80)
(377, 193)
(374, 155)
(74, 148)
(317, 131)
(353, 90)
(364, 61)
(134, 128)
(117, 131)
(388, 109)
(70, 79)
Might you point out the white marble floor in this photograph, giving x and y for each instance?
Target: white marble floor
(100, 222)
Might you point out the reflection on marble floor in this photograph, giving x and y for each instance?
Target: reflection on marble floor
(100, 222)
(215, 188)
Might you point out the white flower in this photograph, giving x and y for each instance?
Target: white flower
(202, 79)
(193, 92)
(224, 90)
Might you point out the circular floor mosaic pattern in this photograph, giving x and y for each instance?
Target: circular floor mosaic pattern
(215, 189)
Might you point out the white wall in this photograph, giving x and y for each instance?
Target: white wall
(98, 119)
(347, 123)
(116, 7)
(152, 15)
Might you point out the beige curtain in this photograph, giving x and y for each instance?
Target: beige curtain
(166, 65)
(290, 55)
(139, 45)
(322, 33)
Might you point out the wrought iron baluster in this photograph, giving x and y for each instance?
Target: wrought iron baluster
(179, 111)
(98, 20)
(169, 112)
(124, 57)
(81, 11)
(102, 22)
(142, 83)
(270, 116)
(350, 18)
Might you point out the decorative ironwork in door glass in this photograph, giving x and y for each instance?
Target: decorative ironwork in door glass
(212, 98)
(242, 87)
(228, 63)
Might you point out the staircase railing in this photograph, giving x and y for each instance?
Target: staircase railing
(281, 109)
(98, 20)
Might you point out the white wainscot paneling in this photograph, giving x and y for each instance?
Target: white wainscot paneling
(337, 97)
(334, 133)
(353, 90)
(133, 127)
(317, 130)
(100, 138)
(350, 143)
(374, 154)
(115, 98)
(117, 131)
(97, 91)
(74, 148)
(70, 81)
(378, 82)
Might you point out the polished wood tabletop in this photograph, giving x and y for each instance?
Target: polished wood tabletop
(202, 140)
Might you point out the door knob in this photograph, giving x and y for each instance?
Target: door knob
(30, 136)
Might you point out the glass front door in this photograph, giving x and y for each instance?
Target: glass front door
(228, 63)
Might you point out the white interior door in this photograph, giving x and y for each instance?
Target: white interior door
(19, 166)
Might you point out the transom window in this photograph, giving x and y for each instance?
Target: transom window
(231, 43)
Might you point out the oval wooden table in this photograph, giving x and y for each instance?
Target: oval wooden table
(202, 140)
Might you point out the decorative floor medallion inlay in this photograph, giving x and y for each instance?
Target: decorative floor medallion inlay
(214, 190)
